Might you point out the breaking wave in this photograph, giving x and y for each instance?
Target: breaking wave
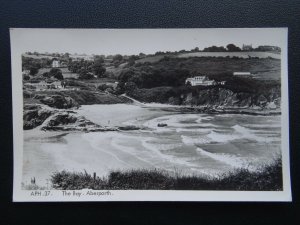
(199, 140)
(229, 159)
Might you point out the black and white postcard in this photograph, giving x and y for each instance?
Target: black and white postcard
(150, 114)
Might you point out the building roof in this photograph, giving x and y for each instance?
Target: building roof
(197, 77)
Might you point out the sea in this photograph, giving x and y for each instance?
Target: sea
(184, 143)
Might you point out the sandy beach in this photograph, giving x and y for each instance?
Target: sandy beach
(201, 144)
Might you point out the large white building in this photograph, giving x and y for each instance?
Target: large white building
(200, 81)
(55, 63)
(247, 47)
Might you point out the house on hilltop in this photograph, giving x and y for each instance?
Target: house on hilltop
(247, 47)
(55, 63)
(200, 81)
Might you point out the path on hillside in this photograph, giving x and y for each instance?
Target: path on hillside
(134, 100)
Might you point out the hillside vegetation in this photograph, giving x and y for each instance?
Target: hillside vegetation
(267, 178)
(164, 81)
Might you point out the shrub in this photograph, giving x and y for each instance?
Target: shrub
(266, 178)
(56, 73)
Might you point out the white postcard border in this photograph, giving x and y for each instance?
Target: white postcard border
(20, 195)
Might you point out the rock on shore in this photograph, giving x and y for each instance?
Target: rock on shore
(35, 115)
(70, 121)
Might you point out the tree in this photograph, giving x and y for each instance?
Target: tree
(26, 77)
(129, 87)
(142, 55)
(188, 84)
(99, 58)
(66, 55)
(46, 74)
(214, 49)
(103, 87)
(56, 73)
(33, 70)
(117, 57)
(74, 66)
(233, 48)
(84, 74)
(98, 68)
(131, 60)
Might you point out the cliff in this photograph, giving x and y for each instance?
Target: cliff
(216, 97)
(221, 97)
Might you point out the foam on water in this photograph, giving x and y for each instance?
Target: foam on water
(229, 159)
(183, 161)
(96, 141)
(222, 138)
(129, 150)
(159, 147)
(201, 131)
(249, 134)
(192, 141)
(175, 122)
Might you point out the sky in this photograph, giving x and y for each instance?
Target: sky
(135, 41)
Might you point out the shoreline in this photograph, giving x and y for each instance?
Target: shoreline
(239, 111)
(69, 149)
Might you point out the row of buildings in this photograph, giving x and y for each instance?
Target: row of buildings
(46, 84)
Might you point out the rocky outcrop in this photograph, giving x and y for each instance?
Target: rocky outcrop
(127, 128)
(70, 121)
(58, 101)
(225, 98)
(34, 115)
(214, 99)
(62, 120)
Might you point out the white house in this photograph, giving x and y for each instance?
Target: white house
(25, 72)
(55, 63)
(200, 81)
(247, 47)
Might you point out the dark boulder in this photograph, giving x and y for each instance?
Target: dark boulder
(34, 115)
(162, 124)
(62, 119)
(125, 128)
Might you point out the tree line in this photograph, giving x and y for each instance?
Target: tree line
(87, 69)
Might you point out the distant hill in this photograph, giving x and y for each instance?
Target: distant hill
(38, 56)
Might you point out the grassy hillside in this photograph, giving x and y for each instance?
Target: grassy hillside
(267, 178)
(264, 68)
